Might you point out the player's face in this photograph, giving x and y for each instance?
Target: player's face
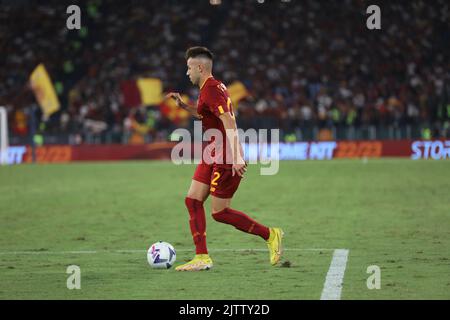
(193, 71)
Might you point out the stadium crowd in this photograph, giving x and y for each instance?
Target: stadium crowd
(307, 64)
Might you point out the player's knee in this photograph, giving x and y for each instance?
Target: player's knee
(190, 194)
(218, 204)
(219, 216)
(192, 203)
(195, 196)
(199, 195)
(217, 208)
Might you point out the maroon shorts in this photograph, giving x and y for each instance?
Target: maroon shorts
(219, 178)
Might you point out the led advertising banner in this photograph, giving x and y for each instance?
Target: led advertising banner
(324, 150)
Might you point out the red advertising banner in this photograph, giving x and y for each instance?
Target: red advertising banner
(64, 153)
(324, 150)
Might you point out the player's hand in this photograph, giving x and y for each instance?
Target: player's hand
(239, 169)
(177, 97)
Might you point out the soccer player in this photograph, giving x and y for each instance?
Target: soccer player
(220, 176)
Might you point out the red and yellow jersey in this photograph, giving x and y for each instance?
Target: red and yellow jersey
(213, 101)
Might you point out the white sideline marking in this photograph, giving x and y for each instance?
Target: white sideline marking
(143, 251)
(335, 277)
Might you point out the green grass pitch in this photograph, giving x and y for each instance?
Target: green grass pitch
(391, 213)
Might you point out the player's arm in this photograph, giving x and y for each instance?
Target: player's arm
(229, 123)
(180, 103)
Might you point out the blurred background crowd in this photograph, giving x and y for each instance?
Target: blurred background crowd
(312, 68)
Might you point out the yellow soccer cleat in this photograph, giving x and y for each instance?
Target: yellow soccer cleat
(274, 244)
(199, 263)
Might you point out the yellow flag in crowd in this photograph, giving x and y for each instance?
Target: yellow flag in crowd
(150, 90)
(237, 92)
(44, 91)
(170, 109)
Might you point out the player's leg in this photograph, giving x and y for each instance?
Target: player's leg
(198, 192)
(223, 186)
(222, 212)
(196, 196)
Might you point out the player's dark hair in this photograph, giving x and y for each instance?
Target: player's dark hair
(195, 52)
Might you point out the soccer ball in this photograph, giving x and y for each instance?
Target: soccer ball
(161, 255)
